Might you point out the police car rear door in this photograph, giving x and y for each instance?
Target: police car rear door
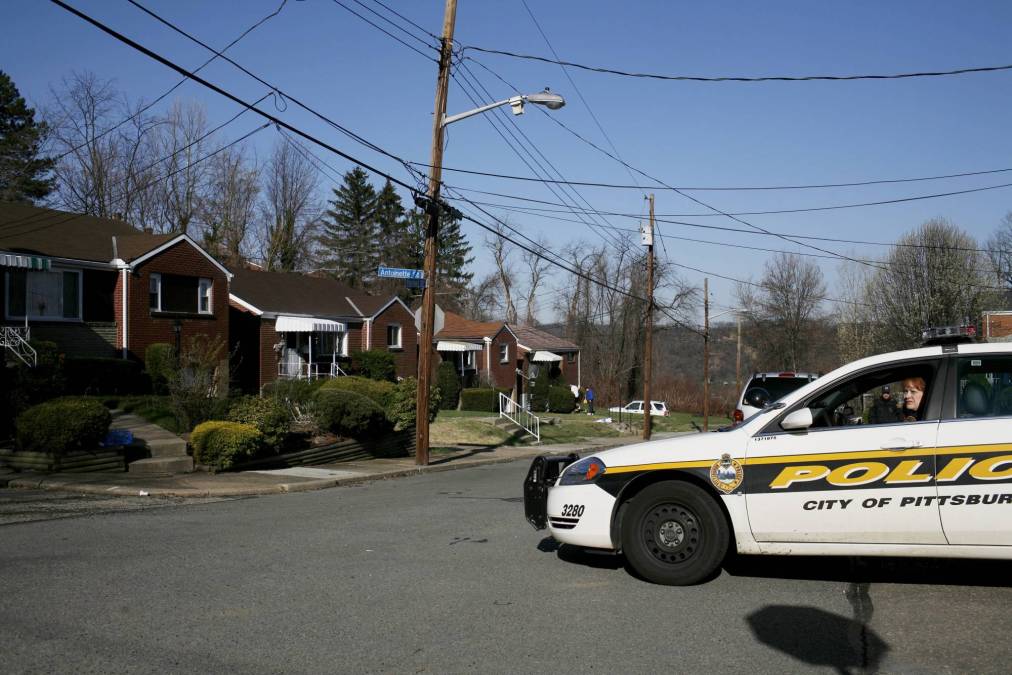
(842, 480)
(975, 451)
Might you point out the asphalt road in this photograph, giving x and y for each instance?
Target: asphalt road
(439, 573)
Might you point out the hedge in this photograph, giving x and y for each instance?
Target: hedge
(347, 413)
(375, 364)
(270, 417)
(561, 400)
(62, 425)
(382, 393)
(221, 444)
(296, 391)
(101, 376)
(483, 399)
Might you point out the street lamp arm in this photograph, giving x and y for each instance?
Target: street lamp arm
(545, 98)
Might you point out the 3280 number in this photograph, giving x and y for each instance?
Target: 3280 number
(572, 510)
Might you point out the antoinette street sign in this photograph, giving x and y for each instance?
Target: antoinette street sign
(400, 273)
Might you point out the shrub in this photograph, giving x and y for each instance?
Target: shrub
(401, 411)
(270, 417)
(375, 364)
(43, 382)
(561, 400)
(195, 384)
(539, 390)
(101, 376)
(223, 444)
(62, 425)
(381, 393)
(449, 385)
(484, 399)
(296, 391)
(160, 362)
(347, 413)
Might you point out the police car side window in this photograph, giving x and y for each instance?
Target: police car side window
(891, 395)
(984, 386)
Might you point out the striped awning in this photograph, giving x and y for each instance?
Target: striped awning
(545, 357)
(308, 324)
(454, 346)
(28, 262)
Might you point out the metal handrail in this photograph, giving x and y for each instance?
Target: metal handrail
(519, 416)
(15, 338)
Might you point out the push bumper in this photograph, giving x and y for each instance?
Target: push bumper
(543, 474)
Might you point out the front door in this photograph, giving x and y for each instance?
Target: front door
(857, 474)
(975, 453)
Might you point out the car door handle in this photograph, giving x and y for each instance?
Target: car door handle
(901, 444)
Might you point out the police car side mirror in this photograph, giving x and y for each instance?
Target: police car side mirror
(799, 419)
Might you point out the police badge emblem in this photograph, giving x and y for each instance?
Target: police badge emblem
(726, 474)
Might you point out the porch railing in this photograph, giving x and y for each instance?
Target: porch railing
(302, 370)
(15, 339)
(519, 416)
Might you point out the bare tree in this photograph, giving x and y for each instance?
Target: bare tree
(537, 270)
(107, 168)
(999, 248)
(855, 318)
(480, 300)
(290, 213)
(229, 205)
(496, 244)
(780, 309)
(935, 277)
(182, 143)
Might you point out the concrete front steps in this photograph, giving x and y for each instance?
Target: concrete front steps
(167, 451)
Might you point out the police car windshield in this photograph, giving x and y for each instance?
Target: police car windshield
(778, 387)
(775, 405)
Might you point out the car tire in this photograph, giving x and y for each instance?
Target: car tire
(674, 533)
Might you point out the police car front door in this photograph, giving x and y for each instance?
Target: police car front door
(843, 480)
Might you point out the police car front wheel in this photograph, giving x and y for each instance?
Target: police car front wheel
(674, 533)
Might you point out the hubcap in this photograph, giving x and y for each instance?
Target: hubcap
(671, 533)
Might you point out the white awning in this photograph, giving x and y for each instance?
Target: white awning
(28, 262)
(306, 324)
(544, 357)
(452, 346)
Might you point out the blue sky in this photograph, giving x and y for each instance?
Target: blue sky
(687, 134)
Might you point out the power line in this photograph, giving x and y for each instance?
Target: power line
(767, 78)
(385, 31)
(178, 84)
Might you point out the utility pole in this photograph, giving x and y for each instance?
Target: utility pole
(648, 347)
(706, 354)
(432, 207)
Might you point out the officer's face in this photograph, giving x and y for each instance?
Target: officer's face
(912, 395)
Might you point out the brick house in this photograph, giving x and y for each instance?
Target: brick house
(503, 355)
(286, 325)
(100, 287)
(996, 326)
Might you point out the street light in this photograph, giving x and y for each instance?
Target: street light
(545, 98)
(432, 206)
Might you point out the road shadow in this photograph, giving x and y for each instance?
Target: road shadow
(576, 555)
(819, 638)
(469, 451)
(851, 569)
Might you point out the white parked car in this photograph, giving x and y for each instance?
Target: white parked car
(636, 408)
(765, 388)
(799, 478)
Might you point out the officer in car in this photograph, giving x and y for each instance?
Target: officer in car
(913, 396)
(883, 411)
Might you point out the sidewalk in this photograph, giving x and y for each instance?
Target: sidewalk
(296, 479)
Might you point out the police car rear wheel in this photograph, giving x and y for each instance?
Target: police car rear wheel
(674, 533)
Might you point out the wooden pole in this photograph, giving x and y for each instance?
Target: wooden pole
(737, 361)
(431, 231)
(706, 354)
(648, 346)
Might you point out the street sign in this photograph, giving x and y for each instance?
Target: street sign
(400, 273)
(414, 283)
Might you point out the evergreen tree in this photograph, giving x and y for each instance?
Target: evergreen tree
(22, 171)
(392, 242)
(453, 255)
(348, 245)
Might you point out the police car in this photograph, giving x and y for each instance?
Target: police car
(800, 478)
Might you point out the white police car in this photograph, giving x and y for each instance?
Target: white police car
(801, 478)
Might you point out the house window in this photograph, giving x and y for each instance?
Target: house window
(504, 353)
(570, 357)
(155, 292)
(468, 360)
(51, 295)
(204, 296)
(394, 336)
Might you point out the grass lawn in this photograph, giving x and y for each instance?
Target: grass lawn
(456, 427)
